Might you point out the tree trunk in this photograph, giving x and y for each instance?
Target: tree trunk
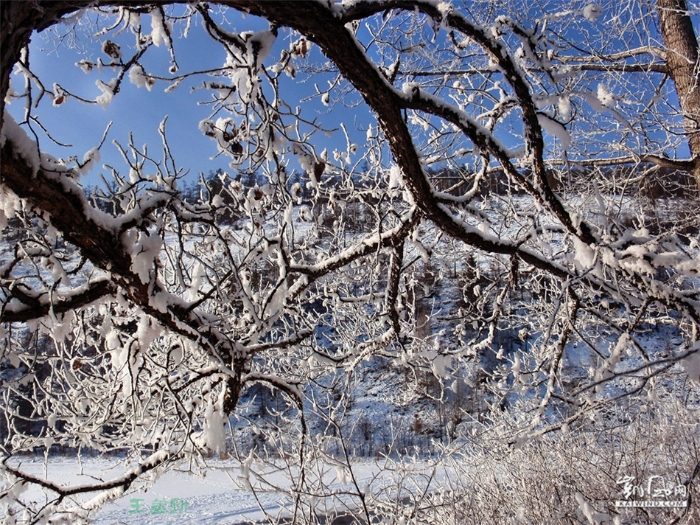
(684, 68)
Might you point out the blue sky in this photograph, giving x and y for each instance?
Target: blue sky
(133, 110)
(139, 111)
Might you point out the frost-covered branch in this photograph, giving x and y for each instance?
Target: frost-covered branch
(499, 223)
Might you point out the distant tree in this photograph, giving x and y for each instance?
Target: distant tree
(159, 312)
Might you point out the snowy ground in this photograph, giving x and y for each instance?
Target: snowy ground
(216, 498)
(183, 498)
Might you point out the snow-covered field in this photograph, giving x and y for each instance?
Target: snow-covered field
(179, 497)
(218, 497)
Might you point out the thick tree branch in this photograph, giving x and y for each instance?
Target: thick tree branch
(38, 307)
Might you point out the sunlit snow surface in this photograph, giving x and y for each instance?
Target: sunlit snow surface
(179, 497)
(217, 497)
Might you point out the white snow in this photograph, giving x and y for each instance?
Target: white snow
(591, 12)
(158, 30)
(556, 129)
(261, 42)
(605, 96)
(593, 517)
(220, 496)
(139, 77)
(691, 364)
(105, 99)
(22, 145)
(564, 106)
(214, 428)
(90, 158)
(583, 254)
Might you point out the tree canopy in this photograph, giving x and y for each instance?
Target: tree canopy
(523, 170)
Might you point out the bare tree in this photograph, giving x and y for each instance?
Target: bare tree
(134, 318)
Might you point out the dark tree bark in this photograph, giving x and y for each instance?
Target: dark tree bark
(684, 68)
